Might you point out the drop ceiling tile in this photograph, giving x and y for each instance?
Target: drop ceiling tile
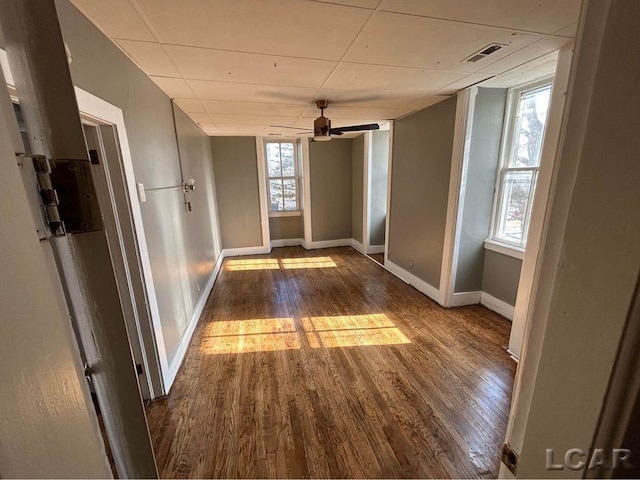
(350, 98)
(540, 67)
(544, 46)
(190, 105)
(207, 90)
(174, 87)
(150, 57)
(407, 41)
(284, 27)
(545, 16)
(202, 118)
(396, 80)
(465, 82)
(569, 31)
(226, 118)
(339, 111)
(370, 4)
(224, 66)
(116, 18)
(252, 108)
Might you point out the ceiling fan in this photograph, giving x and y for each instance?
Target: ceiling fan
(322, 130)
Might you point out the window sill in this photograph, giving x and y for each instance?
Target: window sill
(295, 213)
(504, 249)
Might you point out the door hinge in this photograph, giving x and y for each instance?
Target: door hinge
(510, 458)
(68, 195)
(48, 194)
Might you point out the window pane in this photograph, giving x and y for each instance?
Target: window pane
(514, 206)
(288, 167)
(529, 127)
(276, 195)
(290, 197)
(273, 159)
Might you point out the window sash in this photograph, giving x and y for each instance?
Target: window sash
(506, 152)
(282, 178)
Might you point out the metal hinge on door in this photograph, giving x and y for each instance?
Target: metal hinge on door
(68, 195)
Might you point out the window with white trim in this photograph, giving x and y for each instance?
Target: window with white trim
(282, 170)
(520, 162)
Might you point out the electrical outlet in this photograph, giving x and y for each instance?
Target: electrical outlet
(198, 285)
(411, 263)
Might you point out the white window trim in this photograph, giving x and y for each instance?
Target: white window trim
(513, 96)
(296, 177)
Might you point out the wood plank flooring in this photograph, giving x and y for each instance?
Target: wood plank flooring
(322, 364)
(378, 257)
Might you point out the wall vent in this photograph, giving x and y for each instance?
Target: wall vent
(488, 50)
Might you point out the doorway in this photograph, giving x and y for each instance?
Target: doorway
(377, 192)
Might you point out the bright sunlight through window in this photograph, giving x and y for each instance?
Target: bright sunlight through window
(520, 163)
(279, 263)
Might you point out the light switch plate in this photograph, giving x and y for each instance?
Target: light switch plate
(142, 195)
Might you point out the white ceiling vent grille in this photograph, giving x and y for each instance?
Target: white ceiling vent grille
(486, 51)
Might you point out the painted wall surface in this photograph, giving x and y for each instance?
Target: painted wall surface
(331, 170)
(422, 148)
(501, 276)
(357, 189)
(484, 155)
(236, 168)
(281, 228)
(379, 183)
(49, 427)
(182, 246)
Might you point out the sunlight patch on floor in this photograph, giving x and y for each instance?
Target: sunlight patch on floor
(252, 264)
(249, 264)
(272, 334)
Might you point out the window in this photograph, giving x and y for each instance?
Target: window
(282, 166)
(520, 162)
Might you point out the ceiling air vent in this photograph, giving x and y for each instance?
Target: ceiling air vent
(488, 50)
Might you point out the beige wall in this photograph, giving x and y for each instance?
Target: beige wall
(236, 169)
(281, 228)
(331, 171)
(422, 148)
(357, 189)
(181, 245)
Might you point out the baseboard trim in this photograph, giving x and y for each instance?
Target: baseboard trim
(419, 284)
(175, 364)
(465, 298)
(375, 249)
(497, 305)
(238, 252)
(357, 245)
(287, 242)
(342, 242)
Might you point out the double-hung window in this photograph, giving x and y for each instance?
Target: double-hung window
(520, 162)
(282, 166)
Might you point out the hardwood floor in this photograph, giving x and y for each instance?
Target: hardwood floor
(322, 364)
(378, 257)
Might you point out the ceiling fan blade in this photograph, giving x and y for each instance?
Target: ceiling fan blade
(293, 128)
(355, 128)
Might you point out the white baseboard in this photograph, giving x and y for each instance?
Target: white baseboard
(357, 245)
(287, 242)
(497, 305)
(429, 290)
(238, 252)
(342, 242)
(465, 298)
(174, 366)
(375, 249)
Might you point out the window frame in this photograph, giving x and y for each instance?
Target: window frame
(506, 149)
(295, 177)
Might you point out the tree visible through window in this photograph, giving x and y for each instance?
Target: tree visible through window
(283, 176)
(520, 164)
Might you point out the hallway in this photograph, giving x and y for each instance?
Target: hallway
(322, 364)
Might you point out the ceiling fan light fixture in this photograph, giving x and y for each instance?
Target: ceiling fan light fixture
(322, 129)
